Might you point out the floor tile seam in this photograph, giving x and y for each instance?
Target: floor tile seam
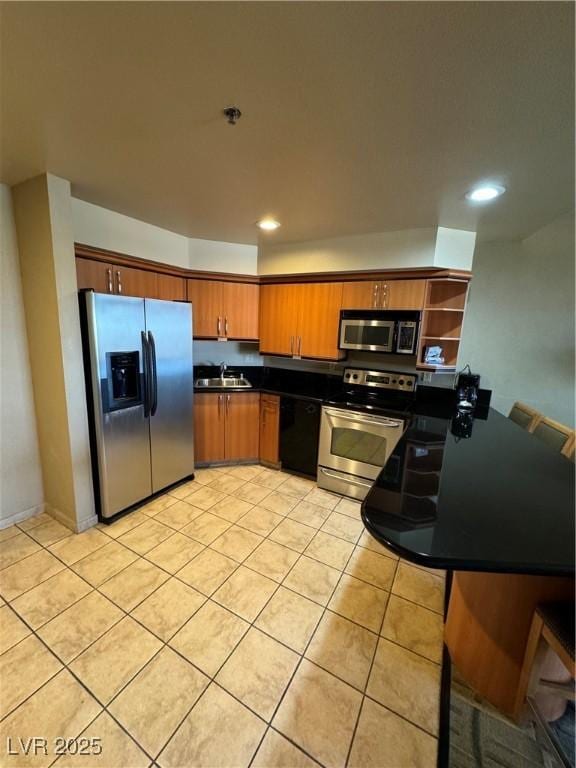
(403, 717)
(92, 721)
(413, 602)
(324, 609)
(375, 651)
(302, 749)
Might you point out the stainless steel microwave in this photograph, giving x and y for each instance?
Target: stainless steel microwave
(377, 331)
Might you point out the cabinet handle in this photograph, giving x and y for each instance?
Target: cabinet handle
(219, 326)
(110, 286)
(376, 286)
(227, 404)
(118, 281)
(292, 345)
(299, 346)
(219, 404)
(225, 326)
(384, 295)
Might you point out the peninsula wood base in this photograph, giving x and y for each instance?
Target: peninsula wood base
(487, 628)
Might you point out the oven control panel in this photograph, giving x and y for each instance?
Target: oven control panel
(358, 377)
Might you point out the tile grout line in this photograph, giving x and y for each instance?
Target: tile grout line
(210, 598)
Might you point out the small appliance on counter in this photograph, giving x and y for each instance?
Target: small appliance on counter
(467, 386)
(379, 331)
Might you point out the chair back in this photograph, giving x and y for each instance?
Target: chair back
(524, 416)
(555, 435)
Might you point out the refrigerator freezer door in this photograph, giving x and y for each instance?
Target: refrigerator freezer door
(169, 328)
(115, 325)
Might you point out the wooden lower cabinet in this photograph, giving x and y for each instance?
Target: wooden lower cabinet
(241, 432)
(209, 414)
(270, 430)
(226, 426)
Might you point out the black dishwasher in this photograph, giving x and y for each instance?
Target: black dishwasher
(299, 434)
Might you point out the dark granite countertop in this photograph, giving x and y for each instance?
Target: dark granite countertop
(497, 500)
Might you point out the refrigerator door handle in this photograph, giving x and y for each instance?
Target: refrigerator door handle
(147, 376)
(154, 374)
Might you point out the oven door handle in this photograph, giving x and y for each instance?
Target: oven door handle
(346, 479)
(364, 419)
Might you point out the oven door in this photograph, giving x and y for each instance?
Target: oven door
(357, 444)
(370, 335)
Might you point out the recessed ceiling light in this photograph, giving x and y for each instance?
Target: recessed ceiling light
(268, 225)
(485, 193)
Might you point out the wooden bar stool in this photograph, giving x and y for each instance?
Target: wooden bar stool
(524, 416)
(552, 628)
(555, 435)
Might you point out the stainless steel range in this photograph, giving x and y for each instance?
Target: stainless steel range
(360, 429)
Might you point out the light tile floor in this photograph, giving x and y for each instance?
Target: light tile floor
(245, 618)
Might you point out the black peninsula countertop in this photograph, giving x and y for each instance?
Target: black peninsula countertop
(497, 500)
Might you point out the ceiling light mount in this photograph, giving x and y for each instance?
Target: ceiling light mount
(268, 224)
(484, 193)
(233, 114)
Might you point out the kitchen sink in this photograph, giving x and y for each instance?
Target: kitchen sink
(223, 383)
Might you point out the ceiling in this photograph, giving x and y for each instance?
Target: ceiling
(357, 117)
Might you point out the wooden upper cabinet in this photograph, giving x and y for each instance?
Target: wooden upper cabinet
(240, 310)
(361, 294)
(279, 316)
(104, 277)
(405, 294)
(300, 319)
(95, 274)
(135, 282)
(319, 320)
(384, 294)
(206, 298)
(224, 309)
(171, 288)
(242, 433)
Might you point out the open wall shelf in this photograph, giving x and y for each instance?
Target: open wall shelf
(441, 326)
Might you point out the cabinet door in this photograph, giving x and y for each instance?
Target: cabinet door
(320, 305)
(129, 281)
(360, 295)
(279, 318)
(95, 274)
(206, 298)
(405, 294)
(171, 288)
(209, 418)
(240, 310)
(242, 425)
(269, 429)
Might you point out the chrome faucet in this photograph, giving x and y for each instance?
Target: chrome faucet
(223, 368)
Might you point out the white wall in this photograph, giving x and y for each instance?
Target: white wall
(405, 249)
(519, 326)
(21, 492)
(113, 231)
(101, 228)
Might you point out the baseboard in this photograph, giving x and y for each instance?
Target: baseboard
(6, 522)
(59, 516)
(88, 522)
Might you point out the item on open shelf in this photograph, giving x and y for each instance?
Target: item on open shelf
(434, 356)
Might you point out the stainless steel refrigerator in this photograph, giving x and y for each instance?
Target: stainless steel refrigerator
(138, 361)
